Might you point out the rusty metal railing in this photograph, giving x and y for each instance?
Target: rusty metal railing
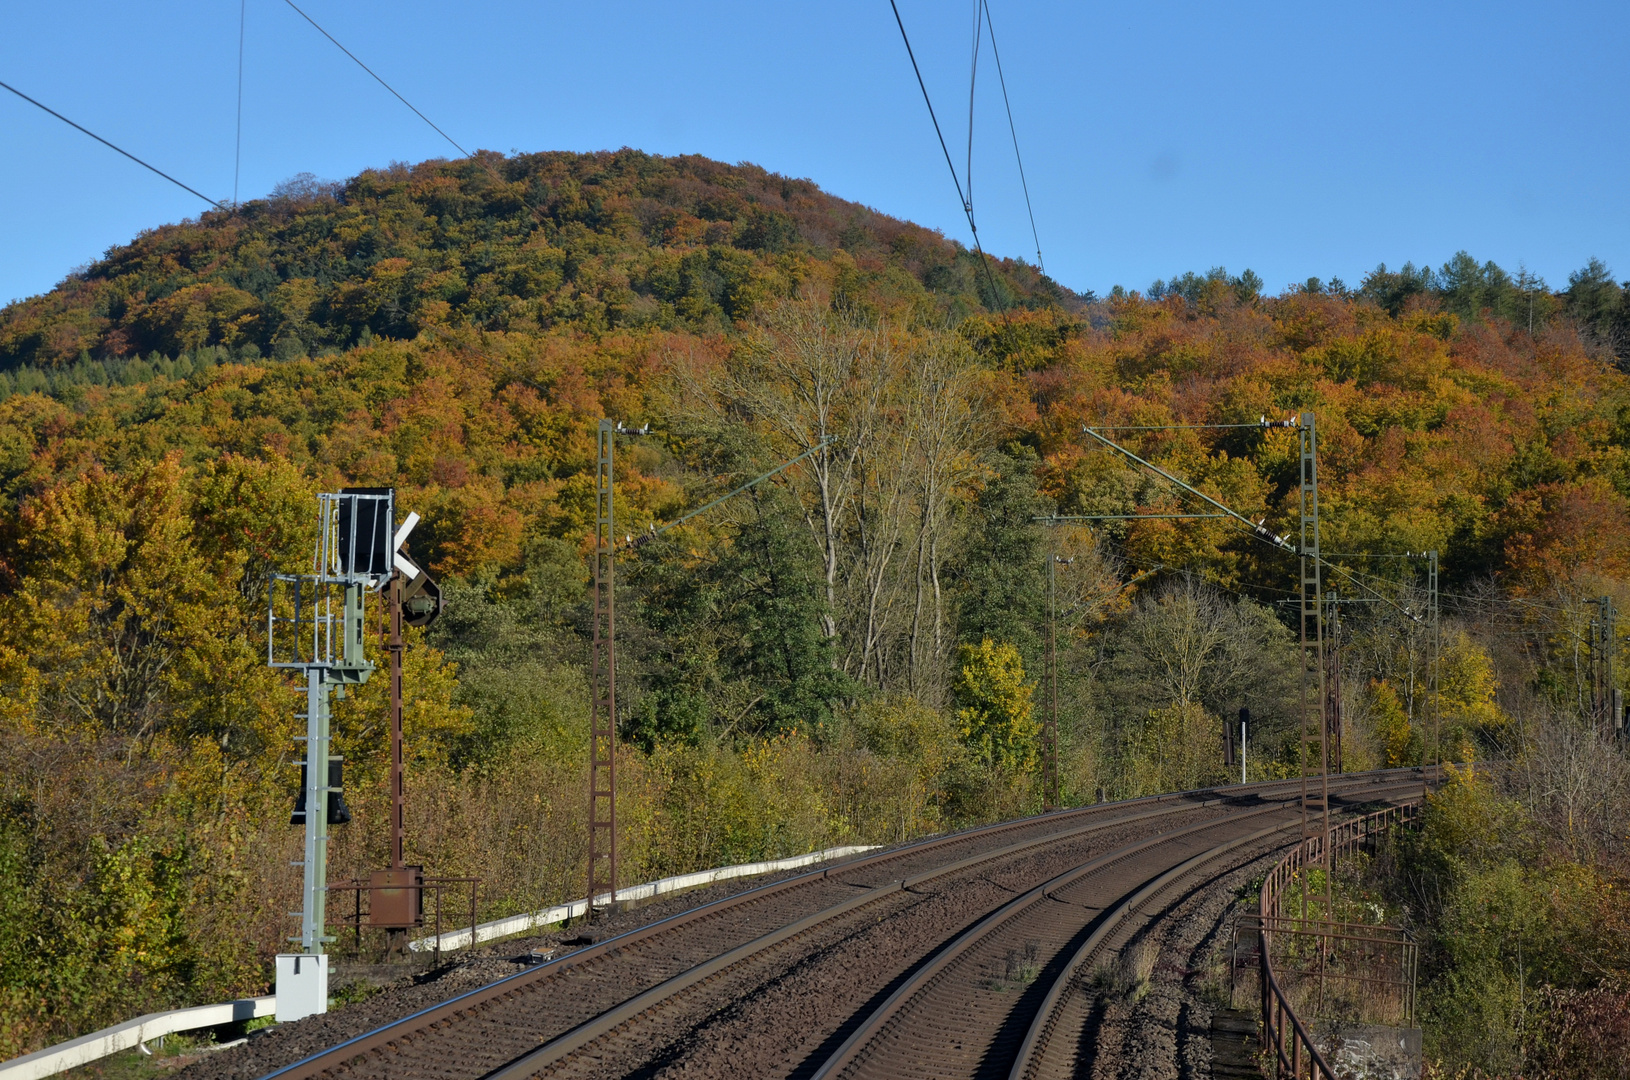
(1296, 1054)
(362, 916)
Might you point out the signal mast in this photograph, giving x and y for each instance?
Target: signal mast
(315, 625)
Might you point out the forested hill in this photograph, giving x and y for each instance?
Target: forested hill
(592, 242)
(850, 653)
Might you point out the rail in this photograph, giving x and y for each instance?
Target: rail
(1103, 815)
(434, 1024)
(1296, 1054)
(913, 988)
(1029, 1062)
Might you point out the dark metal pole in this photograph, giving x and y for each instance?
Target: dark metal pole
(1050, 732)
(1333, 710)
(396, 936)
(398, 769)
(1609, 641)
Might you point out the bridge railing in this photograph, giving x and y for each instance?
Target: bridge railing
(1296, 1053)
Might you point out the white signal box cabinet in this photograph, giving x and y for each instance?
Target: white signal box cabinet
(302, 985)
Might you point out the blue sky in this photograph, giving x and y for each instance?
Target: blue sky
(1293, 139)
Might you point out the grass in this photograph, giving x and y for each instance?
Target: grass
(168, 1054)
(1127, 978)
(1019, 969)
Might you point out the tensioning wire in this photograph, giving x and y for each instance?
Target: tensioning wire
(110, 146)
(377, 79)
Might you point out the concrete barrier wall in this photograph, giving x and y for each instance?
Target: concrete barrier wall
(517, 924)
(111, 1040)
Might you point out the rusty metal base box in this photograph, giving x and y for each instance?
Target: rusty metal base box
(396, 898)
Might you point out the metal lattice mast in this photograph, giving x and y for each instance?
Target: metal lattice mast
(1593, 644)
(1609, 634)
(603, 686)
(1602, 646)
(1315, 726)
(1332, 697)
(1432, 679)
(1611, 698)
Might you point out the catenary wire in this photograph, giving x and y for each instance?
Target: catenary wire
(961, 198)
(1353, 575)
(1172, 427)
(967, 204)
(1325, 556)
(110, 146)
(1256, 534)
(1014, 131)
(377, 79)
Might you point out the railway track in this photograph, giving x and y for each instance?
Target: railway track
(951, 1014)
(858, 967)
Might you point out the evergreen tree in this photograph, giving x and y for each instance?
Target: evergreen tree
(733, 641)
(1392, 289)
(1003, 576)
(1469, 290)
(1600, 306)
(779, 607)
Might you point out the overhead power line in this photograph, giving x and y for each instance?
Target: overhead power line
(237, 150)
(973, 80)
(967, 207)
(1014, 131)
(965, 200)
(377, 79)
(110, 146)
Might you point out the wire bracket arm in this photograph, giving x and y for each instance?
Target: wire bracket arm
(1257, 528)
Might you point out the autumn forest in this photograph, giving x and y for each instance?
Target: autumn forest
(850, 652)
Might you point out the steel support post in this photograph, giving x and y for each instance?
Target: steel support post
(396, 937)
(1049, 735)
(1243, 734)
(602, 875)
(315, 879)
(1315, 803)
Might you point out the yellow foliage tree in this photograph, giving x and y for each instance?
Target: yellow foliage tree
(433, 724)
(1178, 747)
(995, 707)
(141, 721)
(123, 618)
(1400, 743)
(916, 747)
(1466, 688)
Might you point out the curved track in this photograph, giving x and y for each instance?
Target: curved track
(898, 963)
(954, 1017)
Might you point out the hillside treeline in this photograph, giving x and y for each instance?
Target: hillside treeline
(852, 650)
